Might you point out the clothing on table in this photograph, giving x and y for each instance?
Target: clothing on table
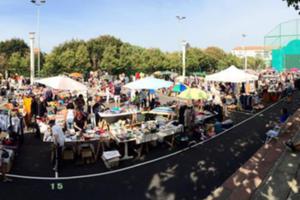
(246, 102)
(27, 104)
(4, 122)
(15, 124)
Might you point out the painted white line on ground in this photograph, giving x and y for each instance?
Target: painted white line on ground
(143, 163)
(56, 174)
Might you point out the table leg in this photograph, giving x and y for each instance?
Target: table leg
(126, 157)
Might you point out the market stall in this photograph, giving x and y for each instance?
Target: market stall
(231, 75)
(148, 83)
(62, 83)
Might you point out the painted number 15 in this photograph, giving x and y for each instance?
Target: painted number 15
(56, 186)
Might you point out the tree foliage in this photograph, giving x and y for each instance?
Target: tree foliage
(71, 56)
(108, 53)
(14, 56)
(293, 3)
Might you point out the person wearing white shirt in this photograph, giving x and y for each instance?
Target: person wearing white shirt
(59, 141)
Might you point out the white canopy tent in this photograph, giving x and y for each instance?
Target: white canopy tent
(148, 83)
(232, 75)
(62, 83)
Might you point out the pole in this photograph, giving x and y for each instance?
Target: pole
(38, 3)
(245, 52)
(183, 58)
(38, 35)
(246, 60)
(31, 37)
(181, 18)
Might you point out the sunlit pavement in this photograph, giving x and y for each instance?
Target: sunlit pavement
(273, 172)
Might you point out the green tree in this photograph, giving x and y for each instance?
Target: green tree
(19, 64)
(97, 46)
(208, 63)
(52, 65)
(8, 47)
(126, 59)
(173, 61)
(197, 60)
(67, 57)
(3, 63)
(293, 3)
(138, 59)
(153, 60)
(215, 52)
(109, 59)
(229, 60)
(255, 63)
(82, 63)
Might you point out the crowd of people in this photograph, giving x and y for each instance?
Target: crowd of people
(27, 105)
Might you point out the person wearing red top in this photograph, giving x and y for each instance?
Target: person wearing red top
(137, 75)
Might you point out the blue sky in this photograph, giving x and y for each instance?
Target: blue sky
(148, 23)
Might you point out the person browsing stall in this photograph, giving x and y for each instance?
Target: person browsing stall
(117, 94)
(70, 115)
(59, 142)
(80, 122)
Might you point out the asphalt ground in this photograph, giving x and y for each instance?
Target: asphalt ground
(190, 174)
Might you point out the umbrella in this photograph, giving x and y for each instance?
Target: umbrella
(148, 83)
(193, 94)
(76, 75)
(179, 88)
(62, 83)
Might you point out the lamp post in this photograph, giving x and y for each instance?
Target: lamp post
(31, 37)
(38, 3)
(245, 52)
(184, 45)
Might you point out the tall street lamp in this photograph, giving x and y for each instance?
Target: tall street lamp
(245, 52)
(38, 3)
(184, 48)
(31, 37)
(184, 45)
